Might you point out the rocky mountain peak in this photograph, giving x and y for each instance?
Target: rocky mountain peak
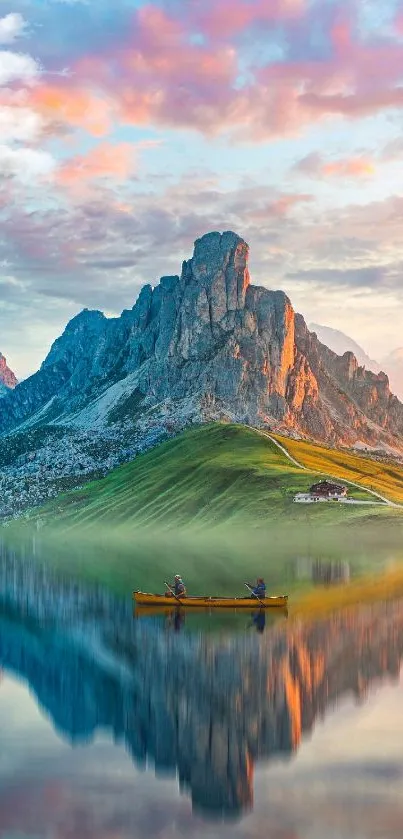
(77, 337)
(210, 345)
(220, 266)
(87, 318)
(217, 247)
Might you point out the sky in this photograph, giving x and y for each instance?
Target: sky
(129, 129)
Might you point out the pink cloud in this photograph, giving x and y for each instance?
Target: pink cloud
(354, 167)
(230, 17)
(357, 79)
(354, 105)
(285, 203)
(342, 36)
(75, 105)
(106, 160)
(398, 21)
(160, 75)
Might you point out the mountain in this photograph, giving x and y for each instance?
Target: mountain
(393, 364)
(8, 380)
(211, 339)
(205, 345)
(341, 343)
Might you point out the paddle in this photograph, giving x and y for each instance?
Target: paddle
(172, 592)
(255, 595)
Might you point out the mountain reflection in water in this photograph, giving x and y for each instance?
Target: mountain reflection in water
(204, 708)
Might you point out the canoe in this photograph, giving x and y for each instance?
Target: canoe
(143, 599)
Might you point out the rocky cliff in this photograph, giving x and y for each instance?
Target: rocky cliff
(205, 345)
(354, 403)
(8, 380)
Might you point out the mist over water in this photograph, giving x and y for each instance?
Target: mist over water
(218, 559)
(120, 726)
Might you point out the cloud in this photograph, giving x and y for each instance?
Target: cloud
(254, 69)
(25, 164)
(106, 160)
(70, 252)
(20, 124)
(11, 27)
(392, 150)
(356, 167)
(108, 164)
(193, 66)
(371, 277)
(230, 17)
(17, 67)
(316, 165)
(74, 106)
(353, 105)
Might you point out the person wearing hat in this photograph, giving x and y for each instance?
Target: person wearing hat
(179, 586)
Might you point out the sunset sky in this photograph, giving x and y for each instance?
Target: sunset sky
(128, 129)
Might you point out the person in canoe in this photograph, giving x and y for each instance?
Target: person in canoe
(259, 591)
(178, 586)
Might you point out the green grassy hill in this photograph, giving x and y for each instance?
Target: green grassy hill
(206, 477)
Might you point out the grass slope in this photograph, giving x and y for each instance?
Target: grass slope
(385, 478)
(205, 477)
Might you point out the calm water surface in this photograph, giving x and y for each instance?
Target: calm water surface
(113, 727)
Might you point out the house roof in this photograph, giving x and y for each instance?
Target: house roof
(327, 486)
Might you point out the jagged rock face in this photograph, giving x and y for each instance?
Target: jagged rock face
(210, 336)
(357, 402)
(8, 380)
(207, 333)
(211, 332)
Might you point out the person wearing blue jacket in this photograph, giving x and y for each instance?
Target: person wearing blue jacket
(260, 589)
(179, 586)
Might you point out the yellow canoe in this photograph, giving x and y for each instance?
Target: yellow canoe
(143, 599)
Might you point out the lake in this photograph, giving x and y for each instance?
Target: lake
(116, 727)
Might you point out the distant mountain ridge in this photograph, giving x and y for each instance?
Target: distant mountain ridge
(207, 344)
(340, 343)
(391, 364)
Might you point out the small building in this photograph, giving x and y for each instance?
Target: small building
(326, 489)
(306, 498)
